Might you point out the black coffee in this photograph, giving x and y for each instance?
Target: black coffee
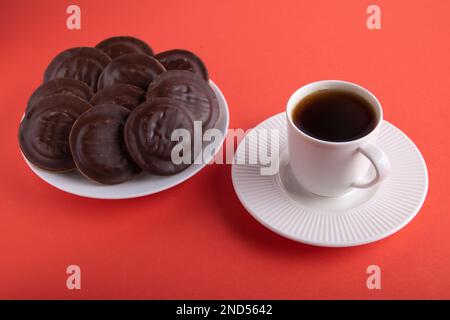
(334, 115)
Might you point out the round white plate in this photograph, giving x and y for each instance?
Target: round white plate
(360, 217)
(142, 185)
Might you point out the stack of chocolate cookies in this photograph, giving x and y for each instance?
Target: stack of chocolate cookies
(110, 111)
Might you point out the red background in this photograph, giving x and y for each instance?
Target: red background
(196, 240)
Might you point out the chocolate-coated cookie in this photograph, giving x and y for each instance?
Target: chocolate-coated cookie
(44, 132)
(148, 133)
(98, 147)
(82, 63)
(118, 46)
(65, 86)
(136, 69)
(180, 59)
(191, 89)
(124, 95)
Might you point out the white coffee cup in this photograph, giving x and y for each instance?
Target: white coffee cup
(333, 169)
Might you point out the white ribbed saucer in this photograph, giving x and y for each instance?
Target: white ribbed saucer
(360, 217)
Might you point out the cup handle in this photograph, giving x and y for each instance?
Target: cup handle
(380, 162)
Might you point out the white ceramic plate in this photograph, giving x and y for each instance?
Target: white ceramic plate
(143, 184)
(363, 216)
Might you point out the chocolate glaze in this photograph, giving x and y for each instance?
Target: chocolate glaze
(65, 86)
(118, 46)
(195, 93)
(82, 63)
(148, 135)
(180, 59)
(98, 147)
(44, 131)
(135, 69)
(124, 95)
